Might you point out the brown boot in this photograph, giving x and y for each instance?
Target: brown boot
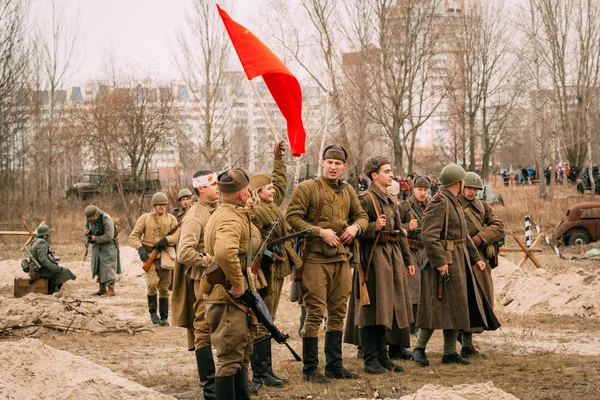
(101, 291)
(110, 293)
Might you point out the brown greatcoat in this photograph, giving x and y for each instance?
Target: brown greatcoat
(414, 209)
(461, 306)
(492, 231)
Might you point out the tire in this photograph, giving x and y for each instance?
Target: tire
(578, 238)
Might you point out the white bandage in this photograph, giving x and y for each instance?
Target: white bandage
(204, 180)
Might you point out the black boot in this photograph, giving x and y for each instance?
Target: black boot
(268, 348)
(310, 358)
(454, 359)
(419, 357)
(399, 353)
(382, 351)
(333, 357)
(225, 387)
(163, 306)
(242, 391)
(259, 363)
(369, 345)
(152, 309)
(206, 371)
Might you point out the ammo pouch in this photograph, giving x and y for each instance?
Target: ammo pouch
(27, 266)
(329, 251)
(449, 247)
(215, 276)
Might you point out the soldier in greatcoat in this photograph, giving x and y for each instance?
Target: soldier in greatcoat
(187, 299)
(385, 263)
(106, 263)
(448, 299)
(325, 274)
(150, 233)
(50, 270)
(485, 230)
(268, 193)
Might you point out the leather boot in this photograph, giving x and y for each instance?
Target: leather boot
(101, 290)
(152, 309)
(333, 356)
(382, 351)
(369, 346)
(310, 358)
(163, 306)
(242, 391)
(419, 357)
(225, 387)
(259, 363)
(206, 371)
(268, 348)
(399, 353)
(454, 359)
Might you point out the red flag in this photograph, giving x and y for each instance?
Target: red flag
(258, 60)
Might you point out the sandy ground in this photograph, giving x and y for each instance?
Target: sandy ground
(158, 358)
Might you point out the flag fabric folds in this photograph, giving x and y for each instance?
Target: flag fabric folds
(258, 60)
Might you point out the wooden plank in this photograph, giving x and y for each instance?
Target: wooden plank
(527, 251)
(20, 233)
(513, 250)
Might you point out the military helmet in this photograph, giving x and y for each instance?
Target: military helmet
(159, 198)
(90, 211)
(43, 230)
(184, 193)
(473, 180)
(451, 174)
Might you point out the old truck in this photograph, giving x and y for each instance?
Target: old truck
(96, 183)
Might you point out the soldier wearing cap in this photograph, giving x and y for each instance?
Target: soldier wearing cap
(412, 211)
(40, 250)
(386, 263)
(106, 263)
(231, 239)
(485, 230)
(184, 197)
(447, 300)
(331, 209)
(150, 233)
(187, 299)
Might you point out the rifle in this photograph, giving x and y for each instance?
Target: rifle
(273, 243)
(356, 179)
(87, 247)
(154, 252)
(442, 279)
(263, 249)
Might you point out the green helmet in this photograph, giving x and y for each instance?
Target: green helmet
(43, 230)
(451, 174)
(473, 180)
(184, 193)
(90, 211)
(159, 198)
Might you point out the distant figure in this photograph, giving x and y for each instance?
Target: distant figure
(506, 178)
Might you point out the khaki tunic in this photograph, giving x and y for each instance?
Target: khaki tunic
(491, 233)
(186, 299)
(414, 209)
(106, 263)
(461, 306)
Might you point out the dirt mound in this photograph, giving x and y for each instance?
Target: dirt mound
(478, 391)
(31, 370)
(522, 291)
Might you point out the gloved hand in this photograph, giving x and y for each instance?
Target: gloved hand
(279, 150)
(161, 244)
(143, 254)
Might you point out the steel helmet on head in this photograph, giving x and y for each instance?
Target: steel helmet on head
(451, 174)
(184, 193)
(43, 230)
(159, 198)
(473, 180)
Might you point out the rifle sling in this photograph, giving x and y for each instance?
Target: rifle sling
(473, 218)
(377, 235)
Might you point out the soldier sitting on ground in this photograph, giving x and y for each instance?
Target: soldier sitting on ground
(50, 269)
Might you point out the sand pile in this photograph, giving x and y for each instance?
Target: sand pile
(478, 391)
(31, 370)
(522, 291)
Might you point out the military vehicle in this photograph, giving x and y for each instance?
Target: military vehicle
(96, 183)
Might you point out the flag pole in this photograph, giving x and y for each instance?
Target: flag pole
(276, 135)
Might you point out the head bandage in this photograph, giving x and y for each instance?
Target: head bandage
(204, 180)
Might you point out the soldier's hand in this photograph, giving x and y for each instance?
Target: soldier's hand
(411, 270)
(143, 254)
(476, 240)
(92, 238)
(443, 269)
(348, 234)
(380, 223)
(236, 291)
(279, 150)
(329, 237)
(161, 244)
(413, 224)
(481, 265)
(87, 232)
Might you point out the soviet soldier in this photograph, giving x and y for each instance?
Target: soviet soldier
(106, 263)
(231, 239)
(447, 280)
(268, 192)
(331, 209)
(184, 197)
(187, 299)
(148, 234)
(385, 264)
(50, 270)
(411, 214)
(485, 230)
